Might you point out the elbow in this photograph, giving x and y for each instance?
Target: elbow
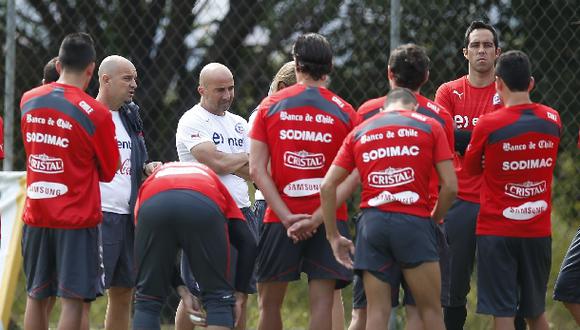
(254, 172)
(451, 188)
(327, 189)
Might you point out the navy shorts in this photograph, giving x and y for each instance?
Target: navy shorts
(280, 260)
(387, 242)
(567, 287)
(359, 297)
(185, 269)
(460, 223)
(118, 236)
(61, 262)
(183, 219)
(512, 275)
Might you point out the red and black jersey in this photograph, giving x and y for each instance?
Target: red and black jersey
(466, 104)
(427, 108)
(515, 150)
(303, 128)
(395, 153)
(70, 145)
(191, 176)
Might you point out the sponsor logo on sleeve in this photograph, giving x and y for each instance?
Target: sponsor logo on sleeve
(525, 211)
(86, 107)
(526, 189)
(45, 164)
(45, 190)
(303, 187)
(403, 197)
(304, 160)
(391, 177)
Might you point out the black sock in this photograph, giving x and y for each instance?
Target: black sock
(455, 317)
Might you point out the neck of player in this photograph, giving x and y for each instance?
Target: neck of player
(511, 99)
(481, 79)
(111, 104)
(306, 80)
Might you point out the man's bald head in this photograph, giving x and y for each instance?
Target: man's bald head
(216, 87)
(111, 64)
(117, 81)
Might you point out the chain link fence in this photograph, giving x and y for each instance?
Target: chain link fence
(169, 42)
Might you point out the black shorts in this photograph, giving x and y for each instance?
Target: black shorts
(512, 275)
(359, 297)
(61, 262)
(460, 223)
(567, 287)
(387, 242)
(187, 220)
(188, 277)
(118, 234)
(280, 260)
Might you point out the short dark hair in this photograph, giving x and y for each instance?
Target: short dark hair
(400, 94)
(77, 51)
(313, 55)
(409, 64)
(480, 25)
(513, 68)
(49, 74)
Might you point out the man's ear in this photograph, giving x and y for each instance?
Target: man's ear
(201, 90)
(465, 53)
(532, 84)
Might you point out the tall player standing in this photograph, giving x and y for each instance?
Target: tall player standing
(298, 130)
(515, 150)
(69, 139)
(466, 99)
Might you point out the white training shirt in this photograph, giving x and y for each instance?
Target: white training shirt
(115, 195)
(258, 195)
(229, 133)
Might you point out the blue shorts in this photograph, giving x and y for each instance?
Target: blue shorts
(61, 262)
(281, 260)
(118, 237)
(567, 287)
(512, 275)
(387, 242)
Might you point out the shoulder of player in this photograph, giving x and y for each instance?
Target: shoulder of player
(372, 104)
(237, 118)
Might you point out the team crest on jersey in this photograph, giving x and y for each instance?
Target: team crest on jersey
(526, 189)
(304, 160)
(391, 177)
(239, 128)
(496, 99)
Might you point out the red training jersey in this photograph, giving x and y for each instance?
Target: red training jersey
(429, 109)
(395, 153)
(191, 176)
(466, 104)
(303, 128)
(70, 145)
(518, 146)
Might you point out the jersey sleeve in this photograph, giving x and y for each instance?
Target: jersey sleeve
(106, 150)
(246, 137)
(441, 149)
(345, 156)
(474, 152)
(258, 129)
(443, 97)
(449, 128)
(191, 132)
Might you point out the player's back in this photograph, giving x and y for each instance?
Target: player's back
(395, 152)
(520, 145)
(304, 127)
(70, 146)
